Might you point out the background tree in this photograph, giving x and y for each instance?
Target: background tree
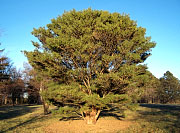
(34, 86)
(4, 64)
(11, 84)
(16, 86)
(93, 58)
(150, 90)
(4, 76)
(170, 88)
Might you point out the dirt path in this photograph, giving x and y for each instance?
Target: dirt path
(78, 126)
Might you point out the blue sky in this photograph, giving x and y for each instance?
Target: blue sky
(161, 18)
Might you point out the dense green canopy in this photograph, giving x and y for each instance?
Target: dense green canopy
(170, 88)
(93, 57)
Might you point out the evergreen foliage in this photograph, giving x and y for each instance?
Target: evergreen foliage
(93, 58)
(4, 77)
(4, 67)
(150, 93)
(11, 84)
(170, 88)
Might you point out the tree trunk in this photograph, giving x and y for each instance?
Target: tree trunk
(5, 99)
(45, 105)
(46, 108)
(16, 100)
(91, 117)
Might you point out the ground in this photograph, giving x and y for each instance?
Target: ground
(102, 126)
(147, 118)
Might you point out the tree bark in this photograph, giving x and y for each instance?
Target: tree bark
(45, 105)
(91, 117)
(16, 101)
(46, 108)
(5, 99)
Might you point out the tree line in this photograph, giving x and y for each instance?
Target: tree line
(16, 86)
(163, 90)
(87, 60)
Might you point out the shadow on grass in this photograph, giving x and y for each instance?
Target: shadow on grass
(162, 116)
(162, 106)
(75, 117)
(33, 119)
(7, 112)
(114, 111)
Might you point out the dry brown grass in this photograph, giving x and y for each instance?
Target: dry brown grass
(79, 126)
(147, 119)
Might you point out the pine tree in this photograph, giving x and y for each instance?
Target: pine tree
(4, 63)
(170, 88)
(93, 59)
(150, 89)
(4, 77)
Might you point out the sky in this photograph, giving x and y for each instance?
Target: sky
(161, 18)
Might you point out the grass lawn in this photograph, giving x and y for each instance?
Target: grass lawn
(156, 118)
(23, 119)
(146, 119)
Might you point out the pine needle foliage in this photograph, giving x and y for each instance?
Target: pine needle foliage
(170, 88)
(92, 57)
(4, 66)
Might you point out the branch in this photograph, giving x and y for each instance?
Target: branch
(82, 89)
(85, 83)
(97, 115)
(89, 87)
(82, 115)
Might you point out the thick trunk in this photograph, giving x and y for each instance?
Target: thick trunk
(91, 117)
